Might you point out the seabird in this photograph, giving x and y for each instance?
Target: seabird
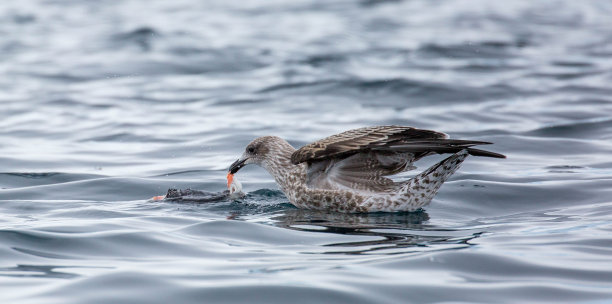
(347, 172)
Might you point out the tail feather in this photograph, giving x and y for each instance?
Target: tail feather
(420, 190)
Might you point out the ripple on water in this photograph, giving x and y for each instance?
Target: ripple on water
(106, 104)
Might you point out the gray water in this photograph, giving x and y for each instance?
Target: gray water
(105, 104)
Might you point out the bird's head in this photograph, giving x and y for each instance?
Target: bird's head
(262, 151)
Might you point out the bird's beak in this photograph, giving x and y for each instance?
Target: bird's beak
(237, 165)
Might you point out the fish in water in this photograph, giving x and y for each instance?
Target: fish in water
(347, 172)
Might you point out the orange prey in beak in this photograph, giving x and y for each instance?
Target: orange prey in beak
(230, 179)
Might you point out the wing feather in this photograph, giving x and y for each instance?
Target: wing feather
(386, 138)
(363, 171)
(361, 158)
(353, 141)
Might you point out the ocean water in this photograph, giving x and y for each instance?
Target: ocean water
(105, 104)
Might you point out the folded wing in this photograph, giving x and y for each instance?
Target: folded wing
(353, 141)
(361, 158)
(363, 171)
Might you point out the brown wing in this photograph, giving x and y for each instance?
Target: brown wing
(386, 138)
(360, 159)
(363, 171)
(353, 141)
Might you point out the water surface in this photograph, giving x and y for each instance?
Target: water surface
(108, 103)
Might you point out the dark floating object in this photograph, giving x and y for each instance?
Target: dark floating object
(190, 195)
(196, 195)
(199, 196)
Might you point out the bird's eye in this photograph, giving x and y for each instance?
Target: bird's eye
(251, 150)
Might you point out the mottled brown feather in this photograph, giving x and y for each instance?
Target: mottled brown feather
(360, 171)
(356, 140)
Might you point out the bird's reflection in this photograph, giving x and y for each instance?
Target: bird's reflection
(348, 222)
(394, 232)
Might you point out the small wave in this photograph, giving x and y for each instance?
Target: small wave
(38, 271)
(141, 37)
(30, 179)
(129, 137)
(563, 169)
(180, 173)
(417, 92)
(480, 50)
(579, 129)
(24, 18)
(33, 175)
(324, 59)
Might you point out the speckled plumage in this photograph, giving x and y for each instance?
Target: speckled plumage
(346, 172)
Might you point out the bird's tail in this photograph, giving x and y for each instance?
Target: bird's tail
(420, 190)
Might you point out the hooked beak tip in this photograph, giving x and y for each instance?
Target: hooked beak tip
(235, 166)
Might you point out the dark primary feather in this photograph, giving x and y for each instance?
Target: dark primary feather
(424, 147)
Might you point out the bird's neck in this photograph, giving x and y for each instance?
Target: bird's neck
(280, 167)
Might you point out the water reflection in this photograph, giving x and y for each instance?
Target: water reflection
(386, 233)
(395, 232)
(346, 222)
